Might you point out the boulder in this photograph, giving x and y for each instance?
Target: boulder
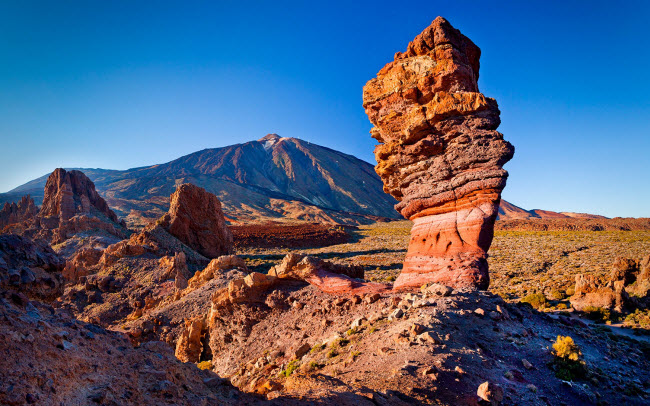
(490, 392)
(196, 219)
(439, 155)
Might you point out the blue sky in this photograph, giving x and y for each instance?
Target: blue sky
(122, 84)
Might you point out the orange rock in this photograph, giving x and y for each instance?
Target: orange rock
(196, 219)
(439, 155)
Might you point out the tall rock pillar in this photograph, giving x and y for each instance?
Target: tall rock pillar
(439, 155)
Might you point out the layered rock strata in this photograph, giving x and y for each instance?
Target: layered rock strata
(439, 155)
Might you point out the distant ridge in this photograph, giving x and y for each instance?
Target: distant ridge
(508, 211)
(270, 179)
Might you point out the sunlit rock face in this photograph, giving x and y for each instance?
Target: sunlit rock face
(440, 155)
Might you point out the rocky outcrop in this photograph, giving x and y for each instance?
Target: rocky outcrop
(626, 277)
(71, 205)
(190, 344)
(194, 225)
(70, 193)
(13, 213)
(589, 292)
(326, 276)
(30, 269)
(439, 155)
(196, 219)
(215, 268)
(176, 269)
(81, 263)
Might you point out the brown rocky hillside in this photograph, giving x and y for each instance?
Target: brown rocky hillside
(273, 178)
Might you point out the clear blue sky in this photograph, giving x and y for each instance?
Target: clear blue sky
(120, 84)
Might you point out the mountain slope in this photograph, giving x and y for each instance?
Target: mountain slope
(272, 178)
(508, 211)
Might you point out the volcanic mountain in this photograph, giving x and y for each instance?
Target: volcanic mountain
(271, 179)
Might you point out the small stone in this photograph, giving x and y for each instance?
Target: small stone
(372, 298)
(490, 392)
(396, 314)
(480, 312)
(385, 351)
(358, 322)
(416, 329)
(495, 315)
(302, 350)
(340, 301)
(356, 299)
(429, 338)
(459, 370)
(430, 373)
(527, 364)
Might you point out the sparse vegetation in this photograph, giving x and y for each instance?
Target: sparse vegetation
(537, 300)
(291, 367)
(316, 348)
(640, 318)
(204, 365)
(568, 363)
(597, 314)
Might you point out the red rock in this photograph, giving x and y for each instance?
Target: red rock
(71, 205)
(70, 193)
(79, 265)
(327, 276)
(15, 213)
(215, 267)
(189, 345)
(196, 219)
(440, 156)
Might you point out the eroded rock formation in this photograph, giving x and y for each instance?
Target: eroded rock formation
(627, 277)
(71, 205)
(15, 213)
(196, 219)
(68, 193)
(440, 155)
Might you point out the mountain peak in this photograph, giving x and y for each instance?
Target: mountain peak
(269, 137)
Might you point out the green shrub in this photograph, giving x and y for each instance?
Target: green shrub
(316, 348)
(314, 366)
(293, 365)
(557, 295)
(352, 331)
(568, 363)
(597, 314)
(537, 300)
